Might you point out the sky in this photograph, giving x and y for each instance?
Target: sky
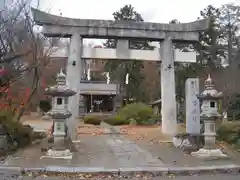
(160, 11)
(151, 10)
(1, 5)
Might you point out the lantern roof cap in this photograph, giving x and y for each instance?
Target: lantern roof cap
(209, 91)
(61, 77)
(61, 88)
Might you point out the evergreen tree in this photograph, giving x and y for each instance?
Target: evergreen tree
(183, 70)
(209, 47)
(119, 68)
(181, 46)
(229, 21)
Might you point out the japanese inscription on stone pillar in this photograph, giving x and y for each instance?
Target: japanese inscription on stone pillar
(192, 106)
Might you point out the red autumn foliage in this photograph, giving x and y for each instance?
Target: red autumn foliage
(9, 102)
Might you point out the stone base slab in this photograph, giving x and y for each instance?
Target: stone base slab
(209, 154)
(58, 154)
(76, 141)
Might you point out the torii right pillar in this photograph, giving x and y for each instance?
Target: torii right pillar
(182, 33)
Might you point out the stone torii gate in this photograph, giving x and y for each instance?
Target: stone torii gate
(123, 31)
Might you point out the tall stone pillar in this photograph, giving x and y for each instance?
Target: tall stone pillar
(82, 106)
(84, 69)
(168, 94)
(73, 78)
(122, 51)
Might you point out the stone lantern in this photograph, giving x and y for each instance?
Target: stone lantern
(209, 99)
(59, 113)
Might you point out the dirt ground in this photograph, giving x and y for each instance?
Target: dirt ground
(86, 130)
(82, 129)
(147, 133)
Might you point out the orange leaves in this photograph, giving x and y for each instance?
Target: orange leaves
(149, 134)
(98, 133)
(133, 133)
(90, 130)
(11, 102)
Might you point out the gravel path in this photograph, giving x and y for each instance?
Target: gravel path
(202, 177)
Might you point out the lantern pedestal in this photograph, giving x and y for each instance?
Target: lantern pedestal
(59, 131)
(209, 154)
(58, 154)
(62, 148)
(209, 132)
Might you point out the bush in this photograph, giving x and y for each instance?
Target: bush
(23, 135)
(230, 133)
(116, 121)
(94, 120)
(45, 105)
(18, 133)
(38, 135)
(142, 113)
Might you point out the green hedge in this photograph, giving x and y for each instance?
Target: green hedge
(94, 120)
(141, 112)
(112, 120)
(230, 133)
(116, 121)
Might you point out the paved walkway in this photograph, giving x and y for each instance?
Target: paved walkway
(97, 151)
(108, 151)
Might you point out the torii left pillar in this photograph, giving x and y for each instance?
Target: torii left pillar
(168, 94)
(73, 78)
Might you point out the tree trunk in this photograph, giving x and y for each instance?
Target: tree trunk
(22, 109)
(34, 89)
(229, 46)
(126, 95)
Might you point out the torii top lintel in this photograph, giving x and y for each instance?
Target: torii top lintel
(90, 28)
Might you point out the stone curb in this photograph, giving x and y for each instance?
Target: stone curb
(155, 171)
(113, 129)
(116, 130)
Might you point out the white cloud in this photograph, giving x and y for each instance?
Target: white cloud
(152, 10)
(149, 13)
